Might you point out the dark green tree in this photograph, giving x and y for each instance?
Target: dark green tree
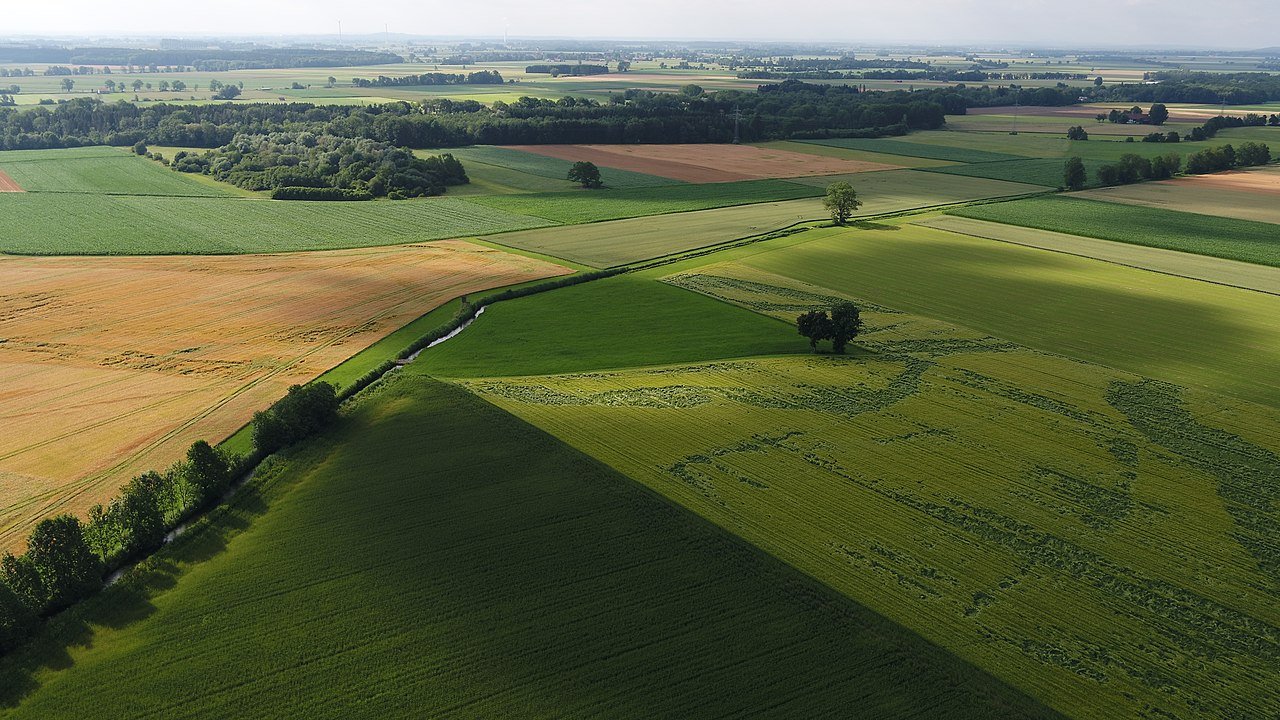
(815, 325)
(841, 201)
(1159, 114)
(17, 619)
(846, 323)
(67, 567)
(1073, 174)
(586, 174)
(1077, 133)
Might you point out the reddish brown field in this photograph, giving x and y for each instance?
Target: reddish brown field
(8, 184)
(707, 163)
(112, 366)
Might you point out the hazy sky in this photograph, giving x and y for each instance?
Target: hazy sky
(1186, 23)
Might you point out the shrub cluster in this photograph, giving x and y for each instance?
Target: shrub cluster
(1158, 137)
(307, 409)
(297, 160)
(1217, 159)
(319, 193)
(1133, 168)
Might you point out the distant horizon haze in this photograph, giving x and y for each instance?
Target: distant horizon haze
(1111, 24)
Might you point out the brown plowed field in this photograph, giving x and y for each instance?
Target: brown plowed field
(8, 184)
(706, 163)
(112, 366)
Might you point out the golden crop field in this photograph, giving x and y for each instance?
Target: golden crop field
(1244, 194)
(112, 366)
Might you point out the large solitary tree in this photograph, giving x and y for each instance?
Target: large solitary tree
(1073, 174)
(841, 201)
(846, 323)
(586, 174)
(1159, 114)
(816, 326)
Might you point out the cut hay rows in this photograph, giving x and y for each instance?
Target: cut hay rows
(114, 366)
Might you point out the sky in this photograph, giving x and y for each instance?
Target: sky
(1240, 24)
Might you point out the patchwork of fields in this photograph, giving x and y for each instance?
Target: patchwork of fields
(114, 366)
(1246, 195)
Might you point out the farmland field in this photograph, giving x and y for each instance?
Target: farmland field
(112, 366)
(57, 224)
(581, 206)
(708, 163)
(914, 149)
(1037, 171)
(1044, 518)
(895, 190)
(1233, 273)
(119, 173)
(1228, 238)
(1245, 195)
(619, 242)
(435, 553)
(1227, 340)
(546, 167)
(905, 161)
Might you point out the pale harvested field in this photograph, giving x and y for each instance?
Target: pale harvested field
(1219, 271)
(706, 163)
(1247, 195)
(112, 366)
(1177, 113)
(8, 184)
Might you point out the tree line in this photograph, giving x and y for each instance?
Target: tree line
(483, 77)
(790, 109)
(199, 58)
(1132, 168)
(66, 560)
(294, 163)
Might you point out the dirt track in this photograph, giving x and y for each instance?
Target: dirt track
(7, 184)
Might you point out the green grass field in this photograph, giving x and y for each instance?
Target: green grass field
(549, 167)
(582, 206)
(1036, 171)
(99, 171)
(896, 190)
(1050, 520)
(843, 153)
(1229, 238)
(619, 242)
(619, 322)
(435, 553)
(57, 224)
(913, 149)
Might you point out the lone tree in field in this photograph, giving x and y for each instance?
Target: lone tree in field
(586, 174)
(846, 323)
(67, 84)
(1159, 114)
(1077, 133)
(1073, 174)
(842, 202)
(816, 326)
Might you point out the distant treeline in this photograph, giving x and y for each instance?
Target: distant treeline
(306, 166)
(789, 109)
(1246, 88)
(947, 75)
(793, 65)
(200, 59)
(570, 69)
(484, 77)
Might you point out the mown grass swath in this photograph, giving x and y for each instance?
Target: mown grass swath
(428, 514)
(1170, 229)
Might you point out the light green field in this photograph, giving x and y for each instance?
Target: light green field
(1232, 273)
(896, 190)
(435, 553)
(582, 206)
(98, 171)
(1226, 340)
(620, 242)
(1049, 520)
(1228, 238)
(59, 224)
